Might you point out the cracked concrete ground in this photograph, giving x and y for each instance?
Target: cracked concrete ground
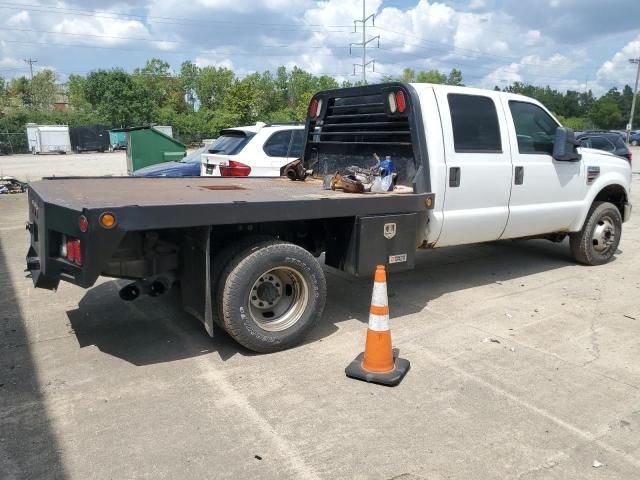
(524, 365)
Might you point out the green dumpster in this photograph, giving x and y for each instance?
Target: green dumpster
(148, 146)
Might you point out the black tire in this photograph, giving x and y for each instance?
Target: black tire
(301, 302)
(599, 238)
(221, 259)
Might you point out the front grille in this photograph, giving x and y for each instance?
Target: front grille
(359, 119)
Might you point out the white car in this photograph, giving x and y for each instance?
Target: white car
(260, 150)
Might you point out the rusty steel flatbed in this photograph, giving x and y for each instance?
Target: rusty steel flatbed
(145, 203)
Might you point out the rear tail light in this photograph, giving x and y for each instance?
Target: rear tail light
(400, 101)
(76, 252)
(630, 157)
(397, 102)
(235, 169)
(315, 107)
(70, 250)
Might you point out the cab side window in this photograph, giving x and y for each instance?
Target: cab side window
(278, 144)
(535, 128)
(475, 124)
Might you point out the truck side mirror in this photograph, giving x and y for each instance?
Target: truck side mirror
(565, 146)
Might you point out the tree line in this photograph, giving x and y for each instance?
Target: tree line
(199, 101)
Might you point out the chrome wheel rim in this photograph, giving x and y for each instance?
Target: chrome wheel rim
(604, 234)
(278, 298)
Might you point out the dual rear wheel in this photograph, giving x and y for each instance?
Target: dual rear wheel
(269, 293)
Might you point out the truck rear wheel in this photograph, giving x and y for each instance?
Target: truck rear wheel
(271, 295)
(599, 238)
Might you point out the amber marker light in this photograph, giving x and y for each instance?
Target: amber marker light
(108, 220)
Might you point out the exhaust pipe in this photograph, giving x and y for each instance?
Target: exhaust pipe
(161, 285)
(134, 290)
(154, 287)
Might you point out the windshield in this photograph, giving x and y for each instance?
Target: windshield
(230, 142)
(194, 157)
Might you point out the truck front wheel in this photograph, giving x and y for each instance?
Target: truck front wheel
(271, 295)
(599, 238)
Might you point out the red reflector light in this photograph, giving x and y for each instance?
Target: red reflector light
(400, 101)
(83, 223)
(313, 108)
(235, 169)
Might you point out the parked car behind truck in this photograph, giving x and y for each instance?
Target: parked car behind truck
(260, 150)
(471, 166)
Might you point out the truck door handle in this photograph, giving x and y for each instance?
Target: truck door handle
(454, 177)
(519, 176)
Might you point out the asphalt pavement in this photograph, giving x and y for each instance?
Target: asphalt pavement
(524, 365)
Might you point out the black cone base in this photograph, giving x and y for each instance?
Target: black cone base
(390, 379)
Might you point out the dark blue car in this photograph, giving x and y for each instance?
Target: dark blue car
(188, 166)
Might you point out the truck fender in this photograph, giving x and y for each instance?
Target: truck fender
(607, 180)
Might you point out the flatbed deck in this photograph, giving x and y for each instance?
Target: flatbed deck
(191, 201)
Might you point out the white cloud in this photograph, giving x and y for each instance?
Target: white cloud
(489, 41)
(213, 62)
(101, 30)
(618, 71)
(20, 19)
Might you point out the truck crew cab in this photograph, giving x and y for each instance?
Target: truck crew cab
(472, 166)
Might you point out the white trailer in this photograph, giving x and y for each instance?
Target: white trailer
(48, 138)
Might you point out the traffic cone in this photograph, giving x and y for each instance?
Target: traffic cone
(377, 363)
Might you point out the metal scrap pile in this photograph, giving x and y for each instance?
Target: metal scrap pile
(378, 178)
(11, 185)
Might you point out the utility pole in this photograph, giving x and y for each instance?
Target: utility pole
(364, 42)
(31, 61)
(635, 61)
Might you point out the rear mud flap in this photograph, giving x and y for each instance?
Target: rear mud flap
(196, 285)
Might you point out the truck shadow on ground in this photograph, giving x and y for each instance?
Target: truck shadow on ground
(28, 445)
(148, 331)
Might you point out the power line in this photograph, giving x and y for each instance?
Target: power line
(364, 42)
(154, 19)
(442, 46)
(31, 61)
(166, 52)
(138, 39)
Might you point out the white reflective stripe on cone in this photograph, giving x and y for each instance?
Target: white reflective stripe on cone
(379, 296)
(378, 323)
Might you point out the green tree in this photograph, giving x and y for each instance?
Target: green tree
(75, 90)
(43, 90)
(189, 72)
(431, 76)
(116, 97)
(211, 86)
(455, 77)
(605, 113)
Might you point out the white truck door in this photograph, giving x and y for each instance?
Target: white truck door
(547, 195)
(478, 161)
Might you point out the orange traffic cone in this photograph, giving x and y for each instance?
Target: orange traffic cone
(377, 364)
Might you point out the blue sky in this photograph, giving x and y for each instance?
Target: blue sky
(568, 44)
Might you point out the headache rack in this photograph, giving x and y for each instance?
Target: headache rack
(351, 126)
